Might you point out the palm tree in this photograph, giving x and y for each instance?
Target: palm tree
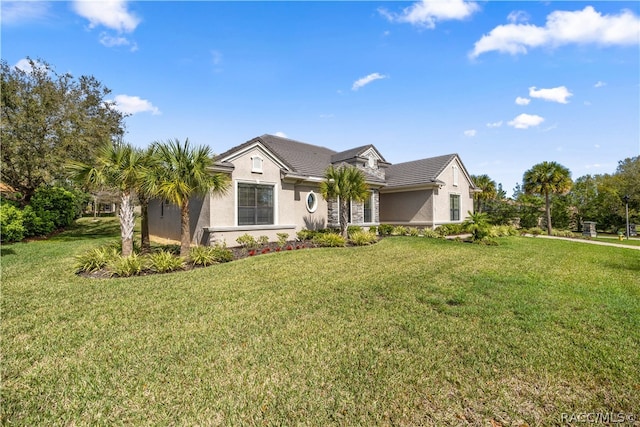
(184, 172)
(118, 166)
(345, 183)
(148, 176)
(487, 192)
(547, 178)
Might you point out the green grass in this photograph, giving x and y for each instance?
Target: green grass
(410, 331)
(630, 242)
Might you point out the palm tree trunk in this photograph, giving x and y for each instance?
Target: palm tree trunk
(127, 222)
(344, 216)
(548, 209)
(185, 232)
(145, 247)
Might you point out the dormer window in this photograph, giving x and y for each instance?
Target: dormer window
(256, 164)
(372, 161)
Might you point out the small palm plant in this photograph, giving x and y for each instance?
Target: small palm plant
(478, 225)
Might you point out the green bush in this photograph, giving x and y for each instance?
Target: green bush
(209, 255)
(282, 239)
(536, 231)
(305, 234)
(414, 231)
(125, 266)
(11, 223)
(353, 229)
(55, 204)
(400, 230)
(373, 229)
(263, 240)
(563, 233)
(385, 229)
(449, 229)
(428, 232)
(95, 259)
(164, 262)
(329, 240)
(247, 241)
(361, 238)
(37, 224)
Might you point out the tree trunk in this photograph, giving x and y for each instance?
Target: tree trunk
(548, 209)
(344, 216)
(145, 247)
(185, 232)
(127, 222)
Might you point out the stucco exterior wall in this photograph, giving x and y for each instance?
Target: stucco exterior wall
(164, 220)
(442, 208)
(290, 201)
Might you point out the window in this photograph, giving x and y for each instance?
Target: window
(454, 203)
(368, 209)
(255, 204)
(455, 175)
(312, 202)
(256, 164)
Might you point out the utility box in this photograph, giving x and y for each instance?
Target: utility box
(632, 230)
(589, 229)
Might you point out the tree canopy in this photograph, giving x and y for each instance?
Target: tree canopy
(547, 178)
(345, 183)
(49, 119)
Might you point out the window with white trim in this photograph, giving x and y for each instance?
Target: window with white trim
(312, 202)
(368, 209)
(454, 207)
(255, 204)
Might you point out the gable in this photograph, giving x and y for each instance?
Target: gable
(255, 150)
(455, 174)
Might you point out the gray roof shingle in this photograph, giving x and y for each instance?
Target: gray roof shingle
(417, 172)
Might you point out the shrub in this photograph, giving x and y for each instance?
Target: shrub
(209, 255)
(125, 266)
(449, 229)
(305, 234)
(373, 229)
(263, 240)
(353, 229)
(35, 224)
(247, 241)
(385, 229)
(361, 238)
(503, 231)
(95, 259)
(562, 233)
(329, 240)
(478, 225)
(428, 232)
(413, 231)
(282, 238)
(535, 231)
(164, 262)
(11, 225)
(400, 230)
(55, 204)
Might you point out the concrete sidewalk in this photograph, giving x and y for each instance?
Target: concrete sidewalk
(593, 242)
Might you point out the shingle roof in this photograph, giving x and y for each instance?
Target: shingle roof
(418, 171)
(305, 159)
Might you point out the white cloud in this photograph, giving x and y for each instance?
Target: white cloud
(600, 84)
(112, 14)
(494, 124)
(18, 12)
(134, 104)
(366, 80)
(557, 94)
(426, 13)
(111, 41)
(522, 101)
(585, 26)
(25, 65)
(470, 133)
(518, 16)
(525, 121)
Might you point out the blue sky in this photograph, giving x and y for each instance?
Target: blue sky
(504, 84)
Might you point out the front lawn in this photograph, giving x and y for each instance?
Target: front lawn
(410, 331)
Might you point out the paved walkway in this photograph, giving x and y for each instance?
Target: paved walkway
(593, 242)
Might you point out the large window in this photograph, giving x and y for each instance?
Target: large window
(255, 204)
(368, 209)
(454, 203)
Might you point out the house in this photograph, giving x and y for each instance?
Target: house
(275, 189)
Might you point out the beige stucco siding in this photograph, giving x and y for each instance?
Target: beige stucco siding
(290, 216)
(442, 207)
